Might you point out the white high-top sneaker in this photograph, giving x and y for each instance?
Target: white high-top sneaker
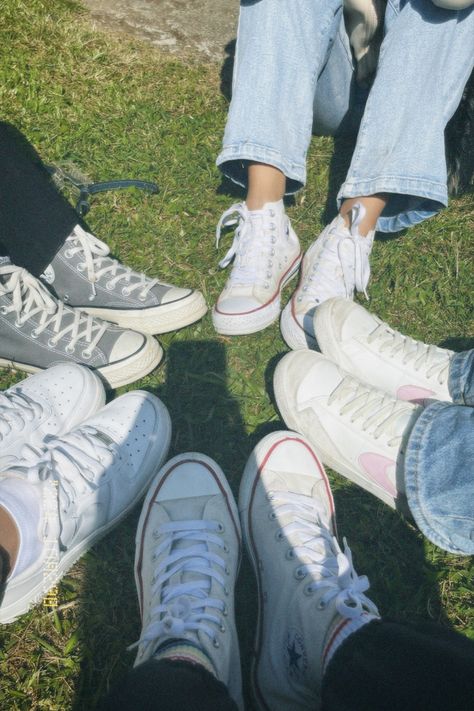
(310, 597)
(366, 347)
(337, 264)
(357, 430)
(80, 485)
(49, 403)
(266, 255)
(186, 563)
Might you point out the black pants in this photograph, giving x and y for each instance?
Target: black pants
(35, 218)
(385, 666)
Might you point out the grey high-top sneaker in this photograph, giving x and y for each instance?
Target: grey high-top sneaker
(186, 562)
(37, 330)
(83, 274)
(310, 597)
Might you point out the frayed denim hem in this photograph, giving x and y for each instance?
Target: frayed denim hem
(233, 160)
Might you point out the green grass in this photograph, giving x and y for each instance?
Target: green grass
(115, 108)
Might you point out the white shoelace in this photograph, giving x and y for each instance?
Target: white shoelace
(75, 461)
(378, 414)
(97, 264)
(30, 298)
(182, 606)
(253, 264)
(431, 360)
(331, 570)
(343, 264)
(16, 409)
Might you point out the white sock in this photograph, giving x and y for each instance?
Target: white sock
(23, 502)
(342, 632)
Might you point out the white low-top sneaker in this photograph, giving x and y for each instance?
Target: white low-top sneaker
(83, 483)
(309, 596)
(369, 349)
(49, 403)
(266, 254)
(336, 264)
(357, 430)
(186, 563)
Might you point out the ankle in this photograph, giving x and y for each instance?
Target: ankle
(266, 184)
(372, 205)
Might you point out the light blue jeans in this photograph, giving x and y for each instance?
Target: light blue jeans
(294, 70)
(439, 464)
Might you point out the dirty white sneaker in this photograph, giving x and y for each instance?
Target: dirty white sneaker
(37, 331)
(366, 347)
(49, 403)
(84, 275)
(337, 264)
(266, 255)
(186, 562)
(84, 483)
(310, 597)
(357, 430)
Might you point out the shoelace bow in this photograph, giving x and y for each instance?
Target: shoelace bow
(377, 411)
(98, 263)
(432, 360)
(182, 605)
(16, 409)
(76, 460)
(349, 256)
(251, 264)
(331, 569)
(31, 298)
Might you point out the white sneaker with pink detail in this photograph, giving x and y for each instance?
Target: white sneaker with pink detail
(266, 254)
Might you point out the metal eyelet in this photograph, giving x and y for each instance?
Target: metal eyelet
(68, 254)
(215, 642)
(80, 267)
(69, 350)
(279, 535)
(220, 528)
(142, 297)
(299, 574)
(86, 354)
(290, 554)
(3, 310)
(272, 516)
(222, 628)
(18, 323)
(51, 343)
(308, 590)
(125, 291)
(321, 605)
(34, 334)
(109, 286)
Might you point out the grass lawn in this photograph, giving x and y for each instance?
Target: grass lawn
(115, 109)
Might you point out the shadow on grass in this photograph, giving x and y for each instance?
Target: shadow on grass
(206, 418)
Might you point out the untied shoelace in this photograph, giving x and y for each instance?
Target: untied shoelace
(16, 408)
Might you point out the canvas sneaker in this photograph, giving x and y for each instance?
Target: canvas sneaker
(49, 403)
(336, 264)
(310, 599)
(37, 331)
(187, 557)
(266, 254)
(357, 430)
(86, 482)
(366, 347)
(83, 274)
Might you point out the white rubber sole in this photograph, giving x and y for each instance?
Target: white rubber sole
(317, 435)
(293, 334)
(158, 319)
(126, 371)
(252, 321)
(50, 578)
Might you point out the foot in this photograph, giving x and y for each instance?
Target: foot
(266, 255)
(83, 274)
(83, 484)
(337, 264)
(187, 556)
(369, 349)
(357, 430)
(310, 597)
(50, 403)
(37, 331)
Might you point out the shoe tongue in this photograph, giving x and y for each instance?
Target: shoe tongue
(4, 261)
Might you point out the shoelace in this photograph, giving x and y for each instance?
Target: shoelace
(252, 260)
(331, 570)
(378, 413)
(431, 360)
(31, 298)
(97, 264)
(182, 606)
(16, 409)
(346, 254)
(76, 460)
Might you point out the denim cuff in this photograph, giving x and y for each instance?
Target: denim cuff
(461, 378)
(438, 476)
(232, 161)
